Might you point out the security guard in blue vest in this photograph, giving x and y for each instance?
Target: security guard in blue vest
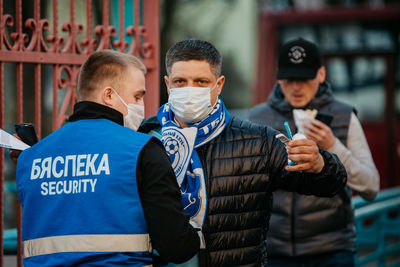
(97, 193)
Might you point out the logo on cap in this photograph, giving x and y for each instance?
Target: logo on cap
(296, 54)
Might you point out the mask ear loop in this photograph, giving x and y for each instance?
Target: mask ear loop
(213, 88)
(126, 105)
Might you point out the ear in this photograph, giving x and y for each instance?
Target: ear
(166, 80)
(220, 83)
(321, 74)
(108, 96)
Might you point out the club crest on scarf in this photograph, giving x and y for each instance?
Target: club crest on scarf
(180, 144)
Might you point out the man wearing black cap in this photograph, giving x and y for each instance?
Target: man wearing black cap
(307, 230)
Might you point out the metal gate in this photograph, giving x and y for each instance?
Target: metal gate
(52, 45)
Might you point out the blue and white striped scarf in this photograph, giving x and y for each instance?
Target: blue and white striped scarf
(180, 144)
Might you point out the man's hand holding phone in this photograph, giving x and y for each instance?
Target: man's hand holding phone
(306, 154)
(25, 132)
(303, 154)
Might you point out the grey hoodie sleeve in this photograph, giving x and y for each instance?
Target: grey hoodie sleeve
(362, 175)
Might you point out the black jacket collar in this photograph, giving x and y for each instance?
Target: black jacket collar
(149, 124)
(92, 110)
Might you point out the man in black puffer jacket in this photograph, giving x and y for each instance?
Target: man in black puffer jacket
(228, 168)
(309, 230)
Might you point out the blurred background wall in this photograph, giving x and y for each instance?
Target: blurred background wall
(231, 25)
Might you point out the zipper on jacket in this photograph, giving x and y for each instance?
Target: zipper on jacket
(204, 256)
(201, 153)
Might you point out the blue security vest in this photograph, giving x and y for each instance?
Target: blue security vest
(80, 199)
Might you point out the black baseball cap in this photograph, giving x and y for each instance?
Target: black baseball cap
(299, 59)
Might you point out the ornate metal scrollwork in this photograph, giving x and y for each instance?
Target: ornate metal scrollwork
(69, 53)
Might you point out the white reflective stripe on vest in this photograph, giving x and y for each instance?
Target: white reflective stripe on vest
(87, 243)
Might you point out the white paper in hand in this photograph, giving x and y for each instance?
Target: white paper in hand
(301, 118)
(9, 141)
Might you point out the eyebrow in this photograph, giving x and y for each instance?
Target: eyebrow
(178, 78)
(195, 79)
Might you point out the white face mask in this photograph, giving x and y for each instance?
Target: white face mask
(135, 114)
(190, 104)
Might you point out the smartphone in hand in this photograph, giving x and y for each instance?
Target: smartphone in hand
(27, 133)
(283, 138)
(324, 117)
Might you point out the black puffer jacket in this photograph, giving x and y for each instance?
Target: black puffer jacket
(308, 225)
(243, 166)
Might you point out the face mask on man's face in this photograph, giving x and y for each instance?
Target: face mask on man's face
(135, 114)
(190, 104)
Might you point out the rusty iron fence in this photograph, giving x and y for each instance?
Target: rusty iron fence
(52, 45)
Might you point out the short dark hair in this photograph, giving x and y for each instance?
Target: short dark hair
(104, 65)
(194, 49)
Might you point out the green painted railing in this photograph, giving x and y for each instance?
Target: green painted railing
(378, 229)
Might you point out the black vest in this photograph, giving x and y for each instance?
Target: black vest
(305, 225)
